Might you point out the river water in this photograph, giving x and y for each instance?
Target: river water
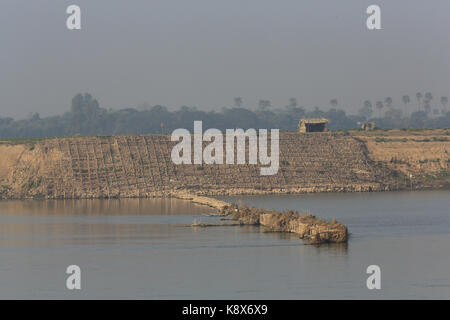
(141, 248)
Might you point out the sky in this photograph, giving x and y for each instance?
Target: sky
(206, 52)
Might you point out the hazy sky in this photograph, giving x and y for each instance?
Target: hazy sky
(205, 52)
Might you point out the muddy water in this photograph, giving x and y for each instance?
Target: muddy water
(137, 248)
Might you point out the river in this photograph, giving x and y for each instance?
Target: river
(141, 248)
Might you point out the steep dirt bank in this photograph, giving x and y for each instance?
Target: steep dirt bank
(422, 156)
(140, 166)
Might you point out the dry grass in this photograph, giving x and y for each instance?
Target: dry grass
(415, 154)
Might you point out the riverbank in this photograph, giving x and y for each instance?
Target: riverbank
(141, 166)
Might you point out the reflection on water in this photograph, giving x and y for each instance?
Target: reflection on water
(92, 222)
(168, 206)
(141, 248)
(335, 248)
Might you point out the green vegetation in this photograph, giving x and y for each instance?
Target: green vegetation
(433, 139)
(378, 139)
(86, 117)
(440, 139)
(443, 174)
(398, 161)
(26, 141)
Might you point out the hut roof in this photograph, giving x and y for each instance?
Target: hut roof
(314, 120)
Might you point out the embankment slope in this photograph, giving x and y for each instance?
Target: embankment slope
(140, 166)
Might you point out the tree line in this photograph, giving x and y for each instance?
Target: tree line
(86, 117)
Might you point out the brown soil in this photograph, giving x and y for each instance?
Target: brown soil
(140, 166)
(422, 156)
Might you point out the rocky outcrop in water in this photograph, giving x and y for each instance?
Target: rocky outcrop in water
(306, 226)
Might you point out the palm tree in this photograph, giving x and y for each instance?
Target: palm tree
(427, 106)
(334, 103)
(419, 100)
(379, 105)
(444, 101)
(264, 104)
(388, 102)
(427, 102)
(406, 100)
(366, 111)
(292, 102)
